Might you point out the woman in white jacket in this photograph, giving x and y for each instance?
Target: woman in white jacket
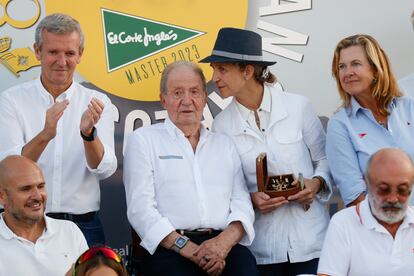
(263, 118)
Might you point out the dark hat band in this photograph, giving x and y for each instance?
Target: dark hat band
(237, 56)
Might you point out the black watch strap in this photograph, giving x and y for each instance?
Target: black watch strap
(91, 137)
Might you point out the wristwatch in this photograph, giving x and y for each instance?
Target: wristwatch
(92, 136)
(179, 243)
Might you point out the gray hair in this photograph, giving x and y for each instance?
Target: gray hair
(172, 66)
(59, 23)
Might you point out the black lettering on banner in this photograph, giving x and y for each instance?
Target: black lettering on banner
(145, 72)
(188, 51)
(174, 56)
(197, 55)
(129, 76)
(158, 66)
(137, 74)
(181, 54)
(152, 69)
(164, 61)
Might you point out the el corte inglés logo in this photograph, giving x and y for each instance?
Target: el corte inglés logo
(131, 38)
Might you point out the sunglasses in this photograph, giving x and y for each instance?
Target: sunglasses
(97, 250)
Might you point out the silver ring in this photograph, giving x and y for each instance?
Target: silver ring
(206, 258)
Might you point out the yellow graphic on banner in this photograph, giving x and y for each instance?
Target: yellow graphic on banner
(19, 24)
(19, 59)
(129, 43)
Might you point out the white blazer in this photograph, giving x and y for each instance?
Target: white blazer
(294, 142)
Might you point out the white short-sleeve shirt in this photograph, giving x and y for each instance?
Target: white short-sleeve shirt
(53, 253)
(357, 245)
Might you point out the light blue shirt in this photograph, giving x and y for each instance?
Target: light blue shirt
(406, 85)
(354, 134)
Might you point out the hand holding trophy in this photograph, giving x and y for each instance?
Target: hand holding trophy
(277, 185)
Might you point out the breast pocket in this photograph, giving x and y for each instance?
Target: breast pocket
(170, 169)
(288, 144)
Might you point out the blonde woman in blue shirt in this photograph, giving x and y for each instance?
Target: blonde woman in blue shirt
(374, 114)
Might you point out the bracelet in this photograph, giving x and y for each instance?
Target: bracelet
(322, 187)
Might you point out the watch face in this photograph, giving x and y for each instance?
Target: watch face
(180, 242)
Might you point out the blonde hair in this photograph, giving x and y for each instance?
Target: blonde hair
(384, 87)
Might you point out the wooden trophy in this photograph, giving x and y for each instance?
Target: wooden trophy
(277, 185)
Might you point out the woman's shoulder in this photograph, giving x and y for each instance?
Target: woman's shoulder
(404, 100)
(340, 117)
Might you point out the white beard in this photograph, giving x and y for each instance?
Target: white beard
(389, 216)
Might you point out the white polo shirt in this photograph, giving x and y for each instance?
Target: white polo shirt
(53, 253)
(356, 244)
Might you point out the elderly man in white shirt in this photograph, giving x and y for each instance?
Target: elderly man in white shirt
(185, 190)
(32, 243)
(66, 128)
(375, 237)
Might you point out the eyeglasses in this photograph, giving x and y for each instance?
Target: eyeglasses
(194, 93)
(92, 252)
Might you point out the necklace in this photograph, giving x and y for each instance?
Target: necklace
(382, 122)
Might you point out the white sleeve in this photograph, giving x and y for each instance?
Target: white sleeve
(142, 211)
(241, 208)
(105, 128)
(11, 133)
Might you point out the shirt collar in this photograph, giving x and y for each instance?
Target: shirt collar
(366, 217)
(353, 109)
(5, 231)
(265, 105)
(49, 98)
(355, 106)
(277, 109)
(8, 234)
(175, 132)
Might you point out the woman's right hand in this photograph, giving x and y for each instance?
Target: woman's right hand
(265, 203)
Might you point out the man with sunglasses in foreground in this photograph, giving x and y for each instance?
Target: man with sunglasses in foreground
(30, 242)
(375, 237)
(186, 194)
